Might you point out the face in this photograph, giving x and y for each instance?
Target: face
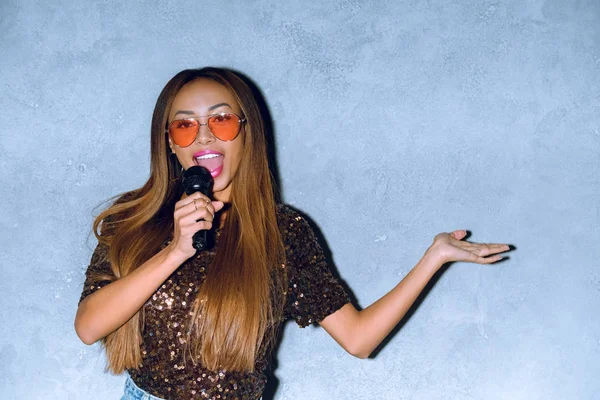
(198, 99)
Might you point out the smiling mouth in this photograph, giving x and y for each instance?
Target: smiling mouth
(213, 162)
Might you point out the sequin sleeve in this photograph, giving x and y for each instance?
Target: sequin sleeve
(313, 291)
(99, 272)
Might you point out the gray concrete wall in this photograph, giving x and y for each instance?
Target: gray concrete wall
(394, 121)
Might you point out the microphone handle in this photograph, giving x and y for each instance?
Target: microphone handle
(198, 179)
(199, 240)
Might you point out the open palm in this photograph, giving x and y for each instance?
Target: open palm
(449, 247)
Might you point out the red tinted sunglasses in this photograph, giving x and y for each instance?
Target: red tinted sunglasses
(223, 126)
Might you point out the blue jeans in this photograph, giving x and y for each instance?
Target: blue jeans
(133, 392)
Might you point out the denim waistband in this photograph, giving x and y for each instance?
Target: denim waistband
(133, 392)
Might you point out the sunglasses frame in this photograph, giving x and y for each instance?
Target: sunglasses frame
(240, 122)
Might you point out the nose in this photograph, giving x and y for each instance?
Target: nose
(204, 136)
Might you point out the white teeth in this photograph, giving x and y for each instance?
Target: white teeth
(206, 156)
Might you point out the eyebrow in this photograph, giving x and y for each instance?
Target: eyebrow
(188, 112)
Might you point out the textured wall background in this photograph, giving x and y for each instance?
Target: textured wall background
(394, 121)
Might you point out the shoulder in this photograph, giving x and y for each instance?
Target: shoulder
(286, 212)
(296, 231)
(289, 218)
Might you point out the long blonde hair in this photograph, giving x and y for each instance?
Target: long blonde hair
(241, 300)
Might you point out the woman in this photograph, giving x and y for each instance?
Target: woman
(188, 324)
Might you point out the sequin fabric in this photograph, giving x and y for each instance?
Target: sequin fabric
(313, 293)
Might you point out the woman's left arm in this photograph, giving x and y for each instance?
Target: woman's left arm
(360, 332)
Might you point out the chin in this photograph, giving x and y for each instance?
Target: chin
(219, 186)
(220, 182)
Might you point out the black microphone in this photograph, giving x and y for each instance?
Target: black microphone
(198, 179)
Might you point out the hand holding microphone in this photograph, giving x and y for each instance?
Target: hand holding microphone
(194, 215)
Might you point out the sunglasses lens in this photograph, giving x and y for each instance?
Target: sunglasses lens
(224, 126)
(184, 131)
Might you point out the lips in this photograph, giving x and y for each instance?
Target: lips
(211, 160)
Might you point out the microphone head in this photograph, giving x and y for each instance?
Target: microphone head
(197, 179)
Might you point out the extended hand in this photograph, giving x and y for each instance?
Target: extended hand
(448, 247)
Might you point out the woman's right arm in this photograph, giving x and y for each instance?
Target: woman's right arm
(108, 308)
(105, 310)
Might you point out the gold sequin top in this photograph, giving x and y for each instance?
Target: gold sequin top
(313, 294)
